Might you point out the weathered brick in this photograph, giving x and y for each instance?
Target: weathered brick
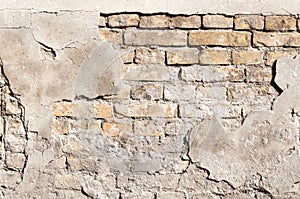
(102, 22)
(12, 107)
(148, 128)
(113, 36)
(61, 126)
(194, 111)
(15, 160)
(63, 109)
(114, 129)
(273, 56)
(247, 57)
(149, 56)
(155, 21)
(215, 56)
(102, 110)
(177, 195)
(187, 22)
(215, 93)
(212, 73)
(181, 92)
(249, 22)
(219, 38)
(156, 37)
(150, 73)
(280, 23)
(66, 181)
(182, 56)
(148, 92)
(217, 21)
(127, 55)
(147, 109)
(291, 39)
(259, 74)
(123, 20)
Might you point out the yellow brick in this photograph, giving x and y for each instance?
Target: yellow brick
(249, 22)
(113, 36)
(186, 22)
(102, 21)
(123, 20)
(155, 21)
(149, 56)
(102, 110)
(247, 57)
(215, 56)
(61, 126)
(273, 56)
(127, 55)
(259, 74)
(63, 109)
(114, 129)
(219, 38)
(291, 39)
(217, 21)
(182, 56)
(280, 23)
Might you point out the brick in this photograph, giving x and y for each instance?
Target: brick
(249, 22)
(216, 93)
(15, 160)
(63, 109)
(219, 38)
(123, 20)
(149, 56)
(113, 36)
(15, 144)
(66, 181)
(148, 128)
(12, 107)
(194, 111)
(148, 92)
(61, 126)
(259, 74)
(155, 21)
(247, 57)
(182, 56)
(127, 55)
(209, 74)
(114, 129)
(215, 56)
(290, 39)
(156, 37)
(102, 22)
(150, 73)
(187, 22)
(147, 109)
(217, 21)
(181, 92)
(273, 56)
(102, 110)
(280, 23)
(171, 195)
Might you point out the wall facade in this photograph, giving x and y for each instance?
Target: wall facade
(173, 103)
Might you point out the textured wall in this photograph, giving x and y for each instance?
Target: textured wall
(100, 104)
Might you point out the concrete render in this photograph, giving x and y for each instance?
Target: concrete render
(48, 58)
(154, 6)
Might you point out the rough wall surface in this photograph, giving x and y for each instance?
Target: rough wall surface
(173, 104)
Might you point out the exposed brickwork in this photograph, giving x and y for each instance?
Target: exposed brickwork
(217, 21)
(174, 72)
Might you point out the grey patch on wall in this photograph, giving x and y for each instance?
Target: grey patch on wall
(267, 143)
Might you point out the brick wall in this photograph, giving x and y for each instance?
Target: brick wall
(175, 72)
